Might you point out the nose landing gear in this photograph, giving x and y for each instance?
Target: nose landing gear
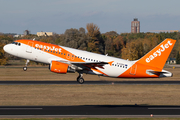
(25, 68)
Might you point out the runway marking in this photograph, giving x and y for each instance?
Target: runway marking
(165, 108)
(21, 108)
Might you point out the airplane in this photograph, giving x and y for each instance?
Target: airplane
(63, 59)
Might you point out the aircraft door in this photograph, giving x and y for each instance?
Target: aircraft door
(133, 69)
(29, 47)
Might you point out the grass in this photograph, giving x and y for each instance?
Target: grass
(89, 95)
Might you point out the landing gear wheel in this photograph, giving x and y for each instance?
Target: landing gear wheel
(24, 68)
(80, 80)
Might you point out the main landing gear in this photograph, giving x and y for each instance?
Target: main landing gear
(80, 78)
(25, 68)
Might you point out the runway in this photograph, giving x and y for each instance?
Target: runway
(89, 82)
(89, 111)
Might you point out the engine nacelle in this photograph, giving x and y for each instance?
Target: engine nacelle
(59, 67)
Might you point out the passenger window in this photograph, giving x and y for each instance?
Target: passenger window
(19, 44)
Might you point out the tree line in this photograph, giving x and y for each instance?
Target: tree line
(131, 46)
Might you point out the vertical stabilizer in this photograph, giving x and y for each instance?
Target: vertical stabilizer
(159, 55)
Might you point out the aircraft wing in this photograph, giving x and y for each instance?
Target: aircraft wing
(84, 65)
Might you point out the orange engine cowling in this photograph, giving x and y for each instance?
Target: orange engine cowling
(58, 67)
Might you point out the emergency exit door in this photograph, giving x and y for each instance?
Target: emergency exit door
(133, 69)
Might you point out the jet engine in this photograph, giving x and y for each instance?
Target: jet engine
(59, 67)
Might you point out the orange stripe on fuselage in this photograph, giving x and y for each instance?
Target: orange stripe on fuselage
(53, 50)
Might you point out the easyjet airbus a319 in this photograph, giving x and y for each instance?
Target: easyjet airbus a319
(63, 59)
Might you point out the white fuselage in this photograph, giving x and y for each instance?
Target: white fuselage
(25, 51)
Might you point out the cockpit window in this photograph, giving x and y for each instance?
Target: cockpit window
(16, 43)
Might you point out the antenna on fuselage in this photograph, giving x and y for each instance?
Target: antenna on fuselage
(34, 39)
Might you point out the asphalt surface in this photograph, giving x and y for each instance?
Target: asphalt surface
(88, 82)
(90, 111)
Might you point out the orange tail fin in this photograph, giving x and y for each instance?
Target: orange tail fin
(159, 55)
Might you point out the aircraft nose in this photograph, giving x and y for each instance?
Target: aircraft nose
(6, 48)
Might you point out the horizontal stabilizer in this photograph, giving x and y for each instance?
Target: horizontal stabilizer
(162, 73)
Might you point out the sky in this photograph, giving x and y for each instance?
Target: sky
(109, 15)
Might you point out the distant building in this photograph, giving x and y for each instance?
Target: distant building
(16, 35)
(26, 32)
(135, 26)
(171, 61)
(164, 31)
(44, 33)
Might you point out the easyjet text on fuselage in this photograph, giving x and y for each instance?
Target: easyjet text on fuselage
(53, 48)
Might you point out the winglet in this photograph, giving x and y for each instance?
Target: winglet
(110, 63)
